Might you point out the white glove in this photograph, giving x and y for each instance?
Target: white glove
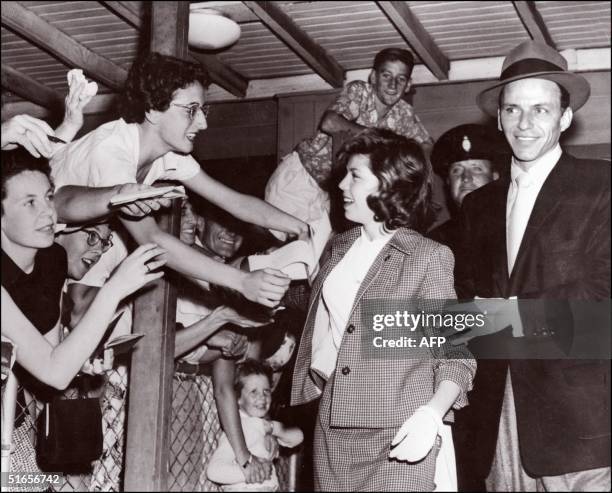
(416, 436)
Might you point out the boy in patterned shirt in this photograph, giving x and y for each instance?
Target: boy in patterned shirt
(299, 184)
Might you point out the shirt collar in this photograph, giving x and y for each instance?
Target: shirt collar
(541, 167)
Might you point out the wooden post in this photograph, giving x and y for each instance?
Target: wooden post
(150, 389)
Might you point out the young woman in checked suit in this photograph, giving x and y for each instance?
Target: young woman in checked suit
(380, 417)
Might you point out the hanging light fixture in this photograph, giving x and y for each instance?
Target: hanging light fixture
(209, 29)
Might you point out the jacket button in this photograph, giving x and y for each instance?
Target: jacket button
(350, 329)
(346, 370)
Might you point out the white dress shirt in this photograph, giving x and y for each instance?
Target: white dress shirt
(537, 175)
(338, 296)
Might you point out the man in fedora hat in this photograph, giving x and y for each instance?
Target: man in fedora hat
(543, 233)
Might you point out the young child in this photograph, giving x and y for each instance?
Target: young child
(253, 385)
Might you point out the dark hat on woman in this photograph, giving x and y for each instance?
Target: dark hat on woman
(470, 141)
(535, 60)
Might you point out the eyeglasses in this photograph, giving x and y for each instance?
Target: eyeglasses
(93, 238)
(192, 109)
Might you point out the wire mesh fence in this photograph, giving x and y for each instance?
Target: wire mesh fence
(104, 474)
(194, 435)
(194, 432)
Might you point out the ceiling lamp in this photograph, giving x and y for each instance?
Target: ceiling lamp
(211, 30)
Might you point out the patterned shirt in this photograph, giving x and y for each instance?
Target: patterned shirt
(357, 103)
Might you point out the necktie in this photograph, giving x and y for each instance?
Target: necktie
(518, 217)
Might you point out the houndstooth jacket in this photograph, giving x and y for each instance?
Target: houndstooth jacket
(383, 392)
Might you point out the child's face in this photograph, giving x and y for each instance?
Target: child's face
(255, 397)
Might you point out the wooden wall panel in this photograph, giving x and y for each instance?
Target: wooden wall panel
(239, 129)
(443, 106)
(299, 116)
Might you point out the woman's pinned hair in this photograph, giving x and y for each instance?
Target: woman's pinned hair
(404, 174)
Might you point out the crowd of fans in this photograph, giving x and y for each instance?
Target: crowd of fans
(383, 423)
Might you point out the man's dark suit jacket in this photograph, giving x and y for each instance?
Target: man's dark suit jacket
(562, 405)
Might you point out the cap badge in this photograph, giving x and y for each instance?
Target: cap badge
(466, 144)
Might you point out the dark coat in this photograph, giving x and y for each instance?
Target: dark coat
(562, 405)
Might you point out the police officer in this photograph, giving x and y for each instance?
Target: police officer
(466, 158)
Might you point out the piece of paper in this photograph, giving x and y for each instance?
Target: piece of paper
(171, 192)
(124, 343)
(298, 259)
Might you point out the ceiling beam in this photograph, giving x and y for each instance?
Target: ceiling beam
(533, 22)
(169, 28)
(29, 25)
(303, 45)
(132, 12)
(417, 37)
(222, 75)
(30, 89)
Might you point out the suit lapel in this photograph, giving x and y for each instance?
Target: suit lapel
(498, 239)
(403, 240)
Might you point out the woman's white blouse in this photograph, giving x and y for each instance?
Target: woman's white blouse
(338, 295)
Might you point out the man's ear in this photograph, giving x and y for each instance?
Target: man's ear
(408, 86)
(372, 77)
(499, 125)
(566, 119)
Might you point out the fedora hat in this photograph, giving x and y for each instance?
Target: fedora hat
(535, 60)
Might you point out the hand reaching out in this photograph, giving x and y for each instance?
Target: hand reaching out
(258, 470)
(141, 208)
(231, 344)
(230, 316)
(80, 92)
(266, 286)
(303, 232)
(137, 270)
(29, 132)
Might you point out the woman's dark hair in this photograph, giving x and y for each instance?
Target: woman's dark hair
(152, 81)
(16, 162)
(250, 367)
(405, 176)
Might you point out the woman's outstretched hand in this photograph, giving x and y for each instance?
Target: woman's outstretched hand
(137, 270)
(266, 286)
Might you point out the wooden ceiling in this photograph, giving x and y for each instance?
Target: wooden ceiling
(290, 46)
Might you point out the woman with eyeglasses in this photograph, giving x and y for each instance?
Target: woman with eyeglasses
(163, 110)
(34, 270)
(84, 246)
